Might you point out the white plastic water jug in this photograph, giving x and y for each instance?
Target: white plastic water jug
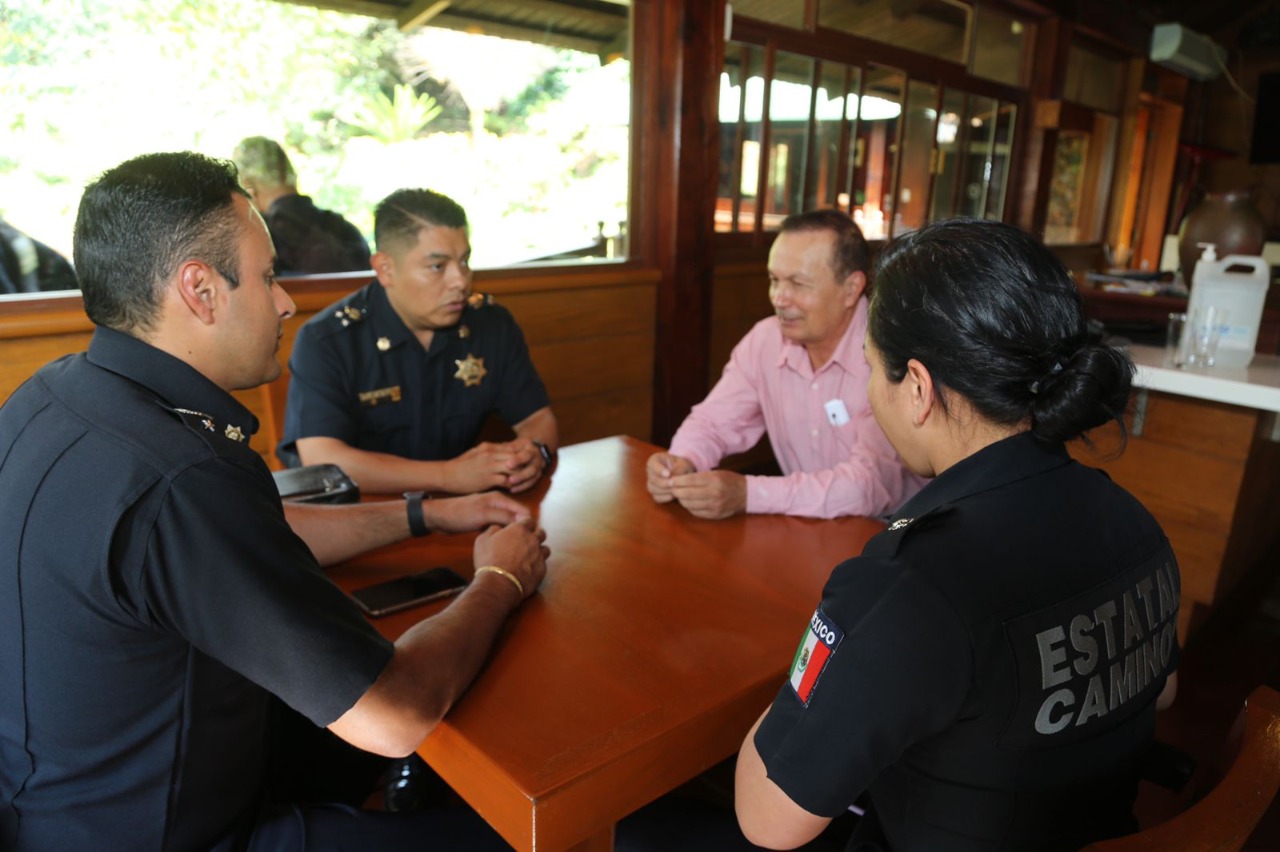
(1238, 284)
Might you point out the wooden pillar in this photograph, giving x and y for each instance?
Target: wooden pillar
(682, 45)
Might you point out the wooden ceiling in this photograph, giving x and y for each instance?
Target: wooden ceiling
(591, 26)
(601, 26)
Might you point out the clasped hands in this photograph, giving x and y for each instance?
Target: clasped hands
(711, 494)
(514, 466)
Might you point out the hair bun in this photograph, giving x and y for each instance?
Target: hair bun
(1091, 388)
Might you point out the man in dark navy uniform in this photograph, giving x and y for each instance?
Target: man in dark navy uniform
(307, 238)
(395, 382)
(154, 596)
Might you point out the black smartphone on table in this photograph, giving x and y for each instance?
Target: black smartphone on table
(405, 592)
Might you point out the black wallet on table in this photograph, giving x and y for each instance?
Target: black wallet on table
(316, 483)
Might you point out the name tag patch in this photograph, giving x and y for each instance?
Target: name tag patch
(816, 649)
(380, 396)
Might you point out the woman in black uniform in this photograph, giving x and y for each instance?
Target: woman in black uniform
(988, 671)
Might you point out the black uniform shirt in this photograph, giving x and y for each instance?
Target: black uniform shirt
(361, 376)
(151, 596)
(309, 240)
(988, 668)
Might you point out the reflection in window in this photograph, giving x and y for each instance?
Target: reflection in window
(873, 181)
(1093, 79)
(791, 100)
(538, 155)
(839, 136)
(938, 28)
(1000, 42)
(921, 129)
(788, 13)
(741, 132)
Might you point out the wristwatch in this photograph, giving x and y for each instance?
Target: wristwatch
(547, 456)
(413, 505)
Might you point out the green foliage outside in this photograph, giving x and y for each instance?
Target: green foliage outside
(515, 132)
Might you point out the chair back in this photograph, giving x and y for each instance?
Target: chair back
(1228, 814)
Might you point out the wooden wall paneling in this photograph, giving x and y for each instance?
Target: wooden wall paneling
(1213, 484)
(740, 300)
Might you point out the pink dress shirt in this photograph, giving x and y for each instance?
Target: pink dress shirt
(829, 470)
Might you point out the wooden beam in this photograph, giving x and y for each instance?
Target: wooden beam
(420, 13)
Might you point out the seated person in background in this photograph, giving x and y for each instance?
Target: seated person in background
(800, 376)
(30, 266)
(308, 240)
(155, 595)
(990, 667)
(395, 382)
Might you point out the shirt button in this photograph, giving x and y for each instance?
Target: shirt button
(815, 433)
(813, 386)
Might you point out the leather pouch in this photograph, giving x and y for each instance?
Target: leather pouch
(316, 483)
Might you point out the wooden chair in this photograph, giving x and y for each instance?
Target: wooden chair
(274, 395)
(1228, 814)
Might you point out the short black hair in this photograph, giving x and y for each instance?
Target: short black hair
(138, 221)
(997, 318)
(850, 253)
(402, 214)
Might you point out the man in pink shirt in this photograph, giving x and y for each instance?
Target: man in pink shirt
(801, 376)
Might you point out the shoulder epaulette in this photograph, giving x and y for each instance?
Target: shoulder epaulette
(889, 541)
(205, 424)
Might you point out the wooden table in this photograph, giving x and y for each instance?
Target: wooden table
(654, 643)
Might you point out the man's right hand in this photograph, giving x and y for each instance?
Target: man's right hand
(518, 547)
(472, 512)
(661, 467)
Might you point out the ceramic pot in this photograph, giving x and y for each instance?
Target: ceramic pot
(1229, 221)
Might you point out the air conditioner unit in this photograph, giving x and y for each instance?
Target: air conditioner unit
(1189, 53)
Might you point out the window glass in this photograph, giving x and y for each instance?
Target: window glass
(938, 28)
(999, 43)
(875, 153)
(788, 13)
(791, 101)
(538, 155)
(835, 129)
(1093, 79)
(741, 131)
(951, 162)
(997, 178)
(920, 130)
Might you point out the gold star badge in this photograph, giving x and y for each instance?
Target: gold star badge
(470, 370)
(234, 433)
(383, 344)
(464, 332)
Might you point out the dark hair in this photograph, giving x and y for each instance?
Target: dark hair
(263, 161)
(850, 253)
(138, 221)
(402, 214)
(996, 317)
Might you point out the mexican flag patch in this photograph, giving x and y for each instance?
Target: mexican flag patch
(817, 646)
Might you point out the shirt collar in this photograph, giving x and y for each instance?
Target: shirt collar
(848, 352)
(387, 323)
(1007, 460)
(178, 384)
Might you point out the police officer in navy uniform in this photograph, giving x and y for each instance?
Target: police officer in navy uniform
(395, 382)
(989, 669)
(155, 596)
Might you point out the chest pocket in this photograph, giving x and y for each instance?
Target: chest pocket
(385, 419)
